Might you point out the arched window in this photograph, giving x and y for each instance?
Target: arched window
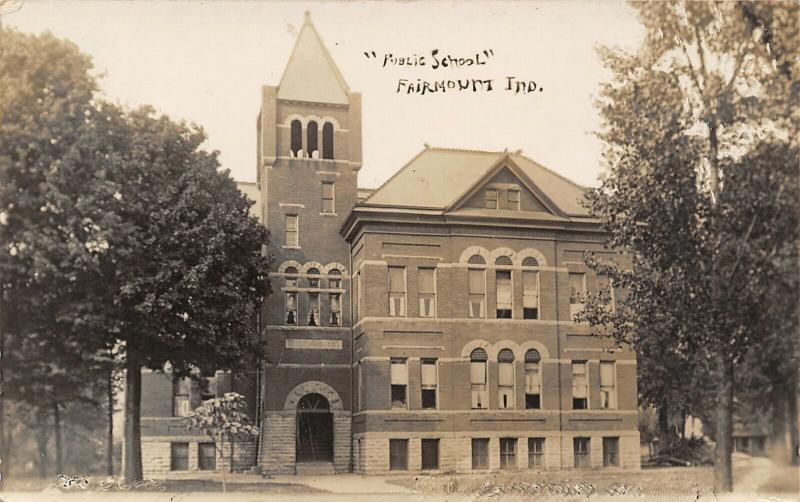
(290, 315)
(313, 297)
(334, 279)
(335, 307)
(477, 287)
(311, 140)
(530, 261)
(327, 141)
(505, 306)
(291, 277)
(296, 137)
(505, 379)
(477, 374)
(533, 380)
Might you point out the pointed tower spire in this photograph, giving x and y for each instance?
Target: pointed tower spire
(311, 74)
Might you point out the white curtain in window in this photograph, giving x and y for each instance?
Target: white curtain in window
(428, 375)
(477, 373)
(533, 382)
(504, 290)
(399, 373)
(530, 290)
(505, 374)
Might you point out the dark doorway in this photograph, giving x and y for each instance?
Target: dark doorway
(314, 429)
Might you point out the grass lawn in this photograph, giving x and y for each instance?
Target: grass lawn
(662, 484)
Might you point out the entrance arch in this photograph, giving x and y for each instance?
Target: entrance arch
(314, 429)
(315, 405)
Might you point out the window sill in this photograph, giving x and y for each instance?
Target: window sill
(291, 247)
(328, 214)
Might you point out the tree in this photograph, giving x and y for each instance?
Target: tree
(120, 235)
(224, 420)
(710, 99)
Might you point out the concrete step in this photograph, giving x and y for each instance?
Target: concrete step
(314, 468)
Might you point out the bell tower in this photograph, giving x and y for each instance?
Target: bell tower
(309, 155)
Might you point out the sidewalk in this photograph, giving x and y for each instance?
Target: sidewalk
(343, 483)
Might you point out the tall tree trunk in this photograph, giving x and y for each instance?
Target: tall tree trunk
(663, 422)
(777, 429)
(794, 434)
(110, 420)
(42, 437)
(132, 459)
(57, 435)
(3, 443)
(723, 469)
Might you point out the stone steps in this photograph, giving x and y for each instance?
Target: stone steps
(314, 468)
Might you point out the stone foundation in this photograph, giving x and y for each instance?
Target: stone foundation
(156, 455)
(371, 450)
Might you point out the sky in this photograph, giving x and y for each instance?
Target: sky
(205, 62)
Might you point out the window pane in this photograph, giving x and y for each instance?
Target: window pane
(503, 289)
(397, 280)
(398, 454)
(505, 373)
(179, 456)
(477, 372)
(206, 456)
(429, 399)
(430, 453)
(327, 190)
(606, 374)
(426, 279)
(477, 281)
(399, 372)
(428, 372)
(480, 453)
(576, 287)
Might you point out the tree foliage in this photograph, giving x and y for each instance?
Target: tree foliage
(225, 421)
(122, 239)
(701, 131)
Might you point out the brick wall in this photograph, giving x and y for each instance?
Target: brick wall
(156, 455)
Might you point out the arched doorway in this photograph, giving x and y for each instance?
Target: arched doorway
(314, 429)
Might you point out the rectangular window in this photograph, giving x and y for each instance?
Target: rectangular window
(313, 309)
(477, 373)
(491, 198)
(608, 387)
(292, 230)
(398, 454)
(503, 294)
(610, 452)
(580, 386)
(397, 291)
(535, 453)
(328, 205)
(336, 309)
(399, 380)
(179, 456)
(577, 292)
(530, 295)
(513, 199)
(430, 453)
(429, 383)
(505, 385)
(577, 288)
(477, 293)
(533, 386)
(508, 453)
(291, 308)
(180, 397)
(480, 453)
(427, 292)
(580, 448)
(206, 456)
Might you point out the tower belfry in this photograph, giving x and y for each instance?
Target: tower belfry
(309, 154)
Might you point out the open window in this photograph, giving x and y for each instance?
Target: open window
(505, 379)
(530, 289)
(399, 382)
(533, 380)
(477, 286)
(477, 372)
(503, 284)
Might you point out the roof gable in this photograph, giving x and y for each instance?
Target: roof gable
(503, 178)
(311, 74)
(450, 180)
